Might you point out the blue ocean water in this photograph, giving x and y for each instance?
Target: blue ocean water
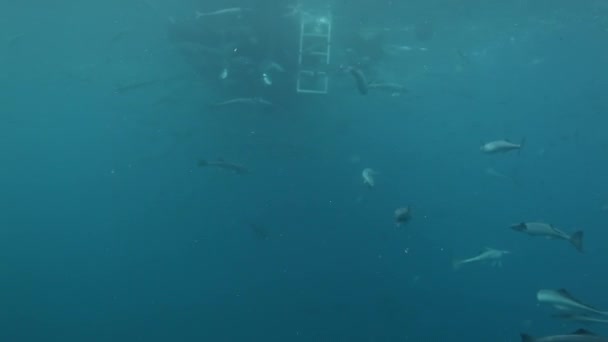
(112, 232)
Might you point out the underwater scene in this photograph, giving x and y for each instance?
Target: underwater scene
(304, 170)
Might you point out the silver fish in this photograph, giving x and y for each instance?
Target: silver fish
(581, 335)
(547, 230)
(393, 88)
(266, 79)
(487, 254)
(387, 86)
(244, 101)
(222, 164)
(368, 177)
(224, 74)
(575, 317)
(497, 174)
(563, 300)
(232, 10)
(501, 146)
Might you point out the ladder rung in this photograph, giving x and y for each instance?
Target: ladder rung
(306, 91)
(309, 72)
(315, 35)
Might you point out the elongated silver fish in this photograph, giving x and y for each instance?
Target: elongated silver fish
(501, 146)
(222, 164)
(494, 256)
(232, 10)
(244, 101)
(581, 335)
(393, 88)
(386, 86)
(547, 230)
(574, 317)
(563, 300)
(494, 173)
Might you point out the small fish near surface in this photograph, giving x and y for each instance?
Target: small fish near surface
(368, 177)
(224, 165)
(561, 299)
(494, 256)
(548, 231)
(581, 335)
(501, 146)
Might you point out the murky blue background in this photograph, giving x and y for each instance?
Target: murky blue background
(110, 232)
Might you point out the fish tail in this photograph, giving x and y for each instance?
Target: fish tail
(199, 14)
(527, 338)
(202, 163)
(519, 227)
(521, 145)
(456, 263)
(577, 240)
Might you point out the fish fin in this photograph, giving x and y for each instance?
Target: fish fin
(456, 263)
(577, 240)
(527, 338)
(202, 163)
(583, 332)
(521, 145)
